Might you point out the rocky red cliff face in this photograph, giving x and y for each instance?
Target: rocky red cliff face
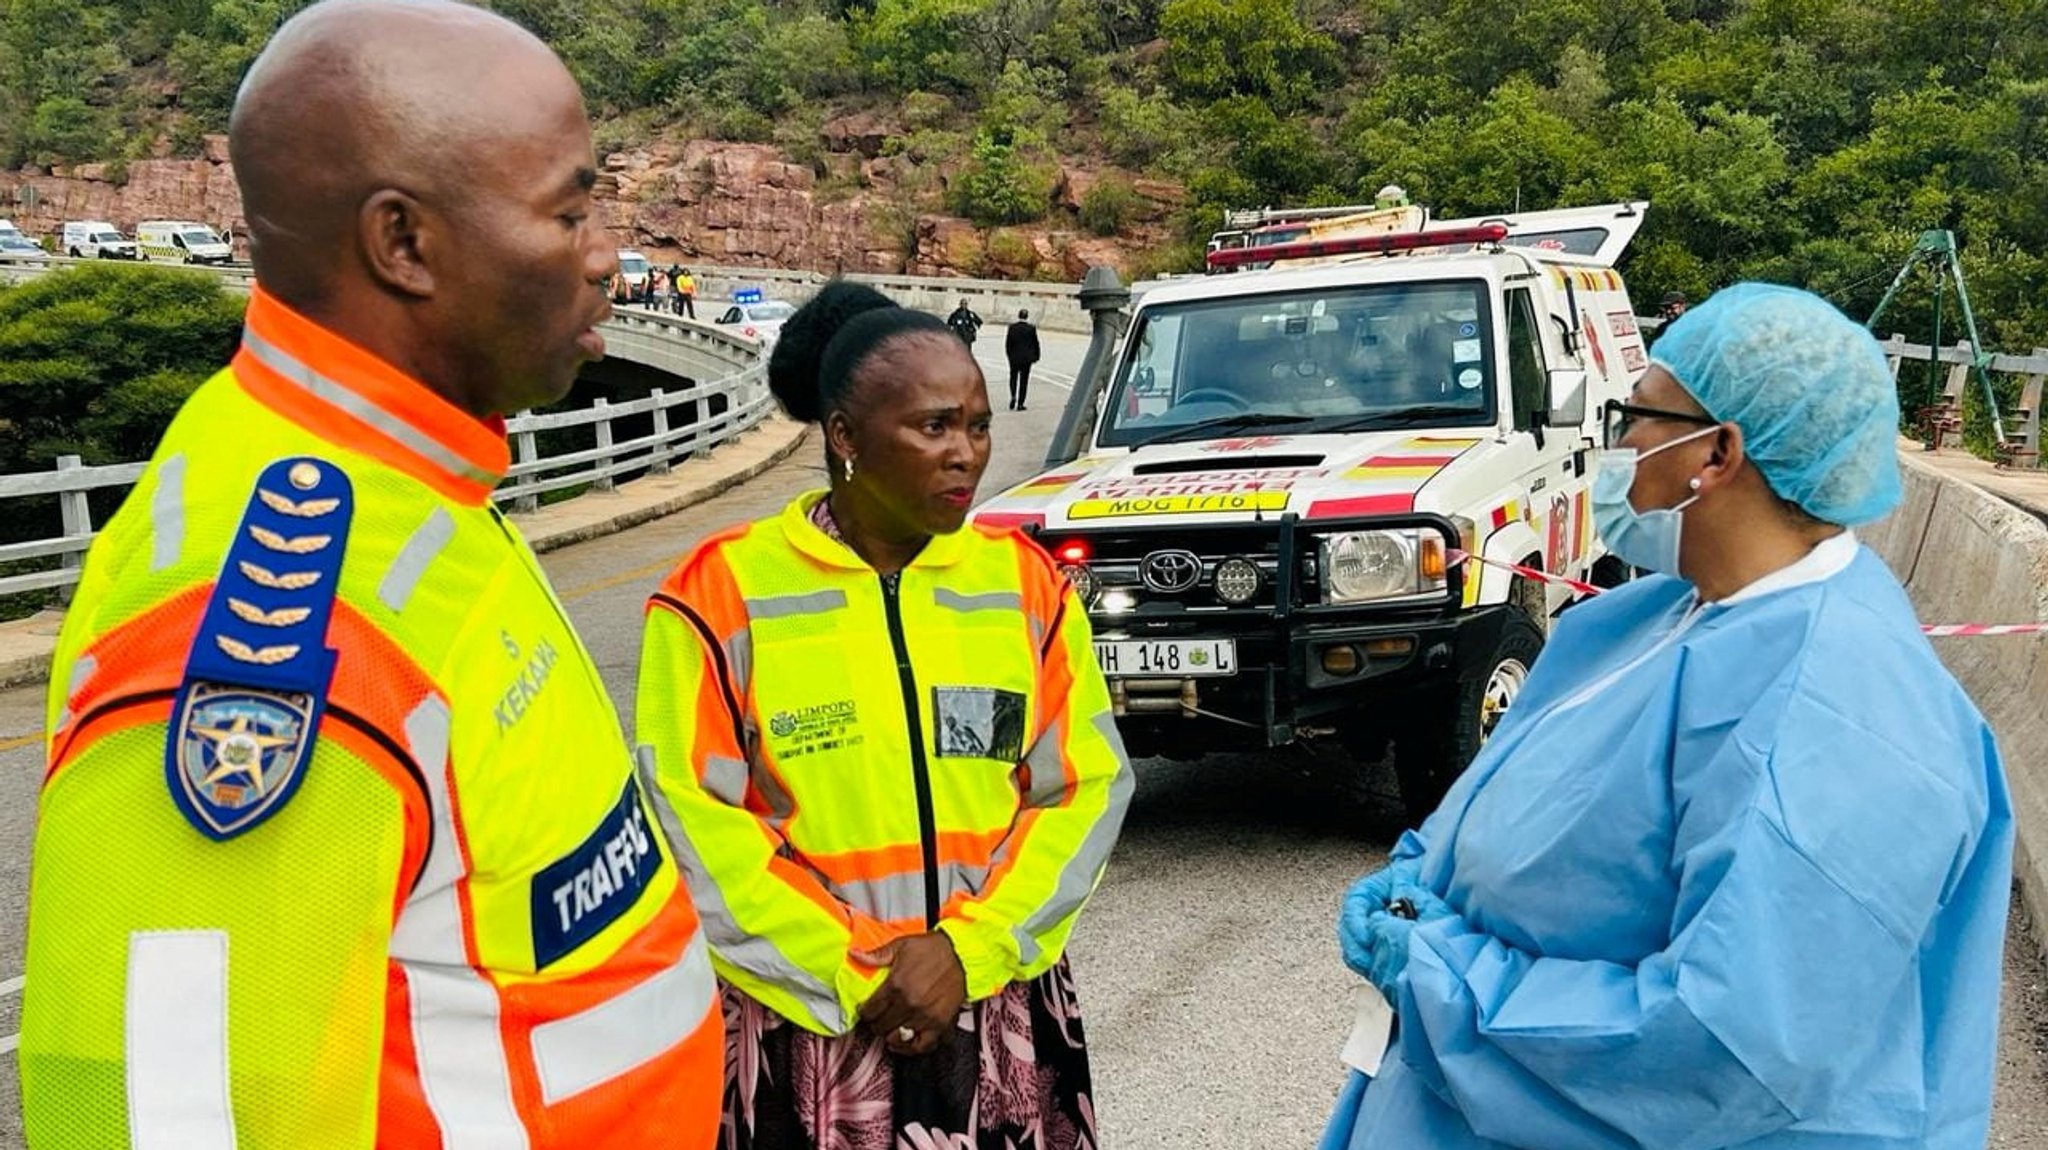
(704, 201)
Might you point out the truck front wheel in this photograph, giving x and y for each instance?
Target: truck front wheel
(1446, 730)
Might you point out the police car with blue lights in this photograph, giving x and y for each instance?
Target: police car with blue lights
(755, 316)
(1330, 500)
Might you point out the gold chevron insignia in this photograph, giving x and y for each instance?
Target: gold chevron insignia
(296, 545)
(262, 656)
(305, 509)
(282, 617)
(289, 581)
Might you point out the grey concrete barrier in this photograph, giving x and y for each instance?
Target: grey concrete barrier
(1967, 556)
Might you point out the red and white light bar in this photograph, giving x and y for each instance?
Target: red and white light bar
(1357, 245)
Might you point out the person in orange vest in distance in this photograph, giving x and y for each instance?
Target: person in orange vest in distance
(340, 844)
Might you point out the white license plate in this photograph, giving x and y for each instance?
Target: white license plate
(1167, 658)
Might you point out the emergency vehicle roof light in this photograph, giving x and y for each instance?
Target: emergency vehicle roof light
(1356, 245)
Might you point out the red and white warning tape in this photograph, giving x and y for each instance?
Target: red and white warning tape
(1932, 630)
(1458, 557)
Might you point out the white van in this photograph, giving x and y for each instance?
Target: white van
(97, 240)
(630, 286)
(183, 241)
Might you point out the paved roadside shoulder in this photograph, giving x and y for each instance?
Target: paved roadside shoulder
(26, 644)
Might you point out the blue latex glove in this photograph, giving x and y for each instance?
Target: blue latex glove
(1366, 900)
(1386, 942)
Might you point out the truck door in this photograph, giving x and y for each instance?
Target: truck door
(1556, 480)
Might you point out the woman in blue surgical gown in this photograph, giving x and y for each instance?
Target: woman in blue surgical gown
(1734, 871)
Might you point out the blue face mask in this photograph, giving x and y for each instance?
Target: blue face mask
(1645, 539)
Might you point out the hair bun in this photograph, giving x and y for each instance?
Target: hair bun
(793, 367)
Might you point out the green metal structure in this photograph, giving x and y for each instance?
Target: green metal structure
(1937, 250)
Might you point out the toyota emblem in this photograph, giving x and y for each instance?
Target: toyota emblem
(1171, 571)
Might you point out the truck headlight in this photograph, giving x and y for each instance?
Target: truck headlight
(1360, 566)
(1237, 580)
(1086, 585)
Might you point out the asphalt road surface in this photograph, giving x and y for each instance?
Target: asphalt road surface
(1214, 999)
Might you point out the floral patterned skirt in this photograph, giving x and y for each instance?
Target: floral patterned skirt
(1012, 1076)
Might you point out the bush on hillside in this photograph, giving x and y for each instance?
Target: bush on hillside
(1109, 205)
(95, 360)
(1001, 184)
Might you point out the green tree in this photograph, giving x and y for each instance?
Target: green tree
(1001, 184)
(94, 360)
(1254, 48)
(210, 60)
(66, 128)
(920, 44)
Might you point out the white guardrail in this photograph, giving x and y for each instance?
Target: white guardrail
(687, 420)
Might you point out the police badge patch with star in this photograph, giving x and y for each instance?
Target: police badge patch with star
(256, 679)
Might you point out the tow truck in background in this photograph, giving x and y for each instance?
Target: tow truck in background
(1304, 504)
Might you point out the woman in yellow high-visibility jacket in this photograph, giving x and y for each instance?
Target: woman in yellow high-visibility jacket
(887, 760)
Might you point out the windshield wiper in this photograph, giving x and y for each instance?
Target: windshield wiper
(1201, 428)
(1406, 417)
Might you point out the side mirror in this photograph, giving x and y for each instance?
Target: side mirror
(1567, 395)
(1568, 332)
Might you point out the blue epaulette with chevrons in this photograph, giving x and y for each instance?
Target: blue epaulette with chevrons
(256, 679)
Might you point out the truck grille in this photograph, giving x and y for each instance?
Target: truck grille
(1174, 572)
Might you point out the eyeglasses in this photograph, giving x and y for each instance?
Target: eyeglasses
(1617, 419)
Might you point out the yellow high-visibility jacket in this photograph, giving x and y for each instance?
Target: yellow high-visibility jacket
(849, 759)
(341, 844)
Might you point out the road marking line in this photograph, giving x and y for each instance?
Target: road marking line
(12, 985)
(658, 567)
(8, 1042)
(16, 742)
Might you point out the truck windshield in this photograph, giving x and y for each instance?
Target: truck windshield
(106, 237)
(1405, 355)
(197, 239)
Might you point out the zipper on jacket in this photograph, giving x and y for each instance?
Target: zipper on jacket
(920, 771)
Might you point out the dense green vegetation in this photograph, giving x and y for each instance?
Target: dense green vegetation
(95, 361)
(1801, 140)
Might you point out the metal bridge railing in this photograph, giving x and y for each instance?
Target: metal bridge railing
(687, 420)
(1942, 414)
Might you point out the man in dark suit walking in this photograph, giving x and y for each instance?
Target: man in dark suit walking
(1021, 345)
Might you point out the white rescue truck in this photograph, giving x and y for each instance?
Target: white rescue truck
(1288, 469)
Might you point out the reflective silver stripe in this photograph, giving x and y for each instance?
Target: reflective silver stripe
(739, 654)
(461, 1058)
(167, 512)
(1047, 759)
(992, 601)
(1085, 867)
(429, 929)
(576, 1053)
(748, 952)
(332, 392)
(415, 557)
(81, 673)
(462, 1066)
(176, 1041)
(726, 779)
(901, 896)
(780, 804)
(791, 606)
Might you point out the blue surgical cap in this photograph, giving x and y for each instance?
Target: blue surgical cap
(1807, 385)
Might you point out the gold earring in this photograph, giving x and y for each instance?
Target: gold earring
(849, 469)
